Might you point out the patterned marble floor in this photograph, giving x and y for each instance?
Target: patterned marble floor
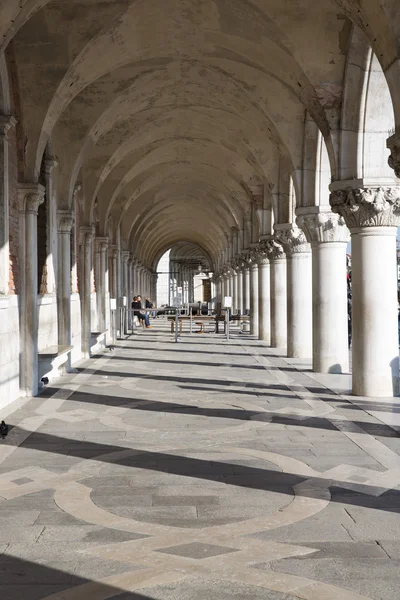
(203, 469)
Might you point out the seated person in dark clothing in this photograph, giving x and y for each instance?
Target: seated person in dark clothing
(137, 311)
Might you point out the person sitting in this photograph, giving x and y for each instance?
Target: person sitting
(139, 313)
(149, 304)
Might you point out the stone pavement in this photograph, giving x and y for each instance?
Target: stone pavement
(198, 470)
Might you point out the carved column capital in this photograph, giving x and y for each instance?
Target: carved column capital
(101, 244)
(65, 221)
(293, 240)
(273, 249)
(125, 254)
(6, 123)
(367, 206)
(49, 165)
(31, 196)
(323, 227)
(86, 234)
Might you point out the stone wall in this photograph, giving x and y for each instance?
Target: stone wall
(47, 318)
(10, 347)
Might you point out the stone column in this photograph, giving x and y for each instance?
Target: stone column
(101, 269)
(235, 306)
(130, 280)
(277, 259)
(31, 197)
(254, 294)
(65, 220)
(373, 215)
(86, 239)
(112, 262)
(6, 123)
(246, 286)
(52, 241)
(299, 290)
(240, 289)
(328, 236)
(264, 296)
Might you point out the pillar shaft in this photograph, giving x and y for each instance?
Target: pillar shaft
(65, 224)
(278, 302)
(328, 236)
(264, 300)
(371, 214)
(299, 290)
(85, 288)
(246, 288)
(375, 347)
(240, 291)
(254, 299)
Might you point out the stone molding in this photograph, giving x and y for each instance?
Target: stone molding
(368, 206)
(65, 221)
(31, 196)
(293, 240)
(393, 143)
(323, 227)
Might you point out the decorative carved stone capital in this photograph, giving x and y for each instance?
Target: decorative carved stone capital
(263, 253)
(31, 196)
(253, 257)
(49, 165)
(101, 244)
(65, 221)
(274, 249)
(86, 235)
(125, 254)
(393, 143)
(323, 227)
(293, 240)
(6, 123)
(368, 207)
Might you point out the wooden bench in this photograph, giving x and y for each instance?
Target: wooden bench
(51, 360)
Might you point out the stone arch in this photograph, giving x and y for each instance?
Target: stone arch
(367, 115)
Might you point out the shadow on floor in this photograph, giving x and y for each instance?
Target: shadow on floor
(228, 473)
(25, 580)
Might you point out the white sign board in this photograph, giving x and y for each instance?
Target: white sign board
(123, 300)
(228, 302)
(113, 304)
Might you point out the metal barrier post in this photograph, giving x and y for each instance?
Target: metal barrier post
(227, 323)
(191, 320)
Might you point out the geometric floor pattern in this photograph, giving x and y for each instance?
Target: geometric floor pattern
(195, 470)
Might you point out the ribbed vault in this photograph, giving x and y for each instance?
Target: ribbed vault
(183, 119)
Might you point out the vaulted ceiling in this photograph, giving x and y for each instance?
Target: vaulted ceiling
(166, 111)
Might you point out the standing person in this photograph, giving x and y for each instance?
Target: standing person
(139, 313)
